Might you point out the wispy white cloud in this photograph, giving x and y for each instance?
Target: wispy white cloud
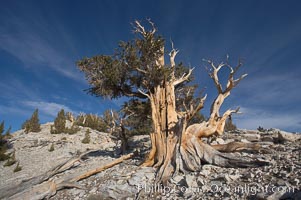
(33, 43)
(252, 118)
(266, 100)
(13, 110)
(14, 89)
(48, 108)
(271, 89)
(268, 49)
(35, 52)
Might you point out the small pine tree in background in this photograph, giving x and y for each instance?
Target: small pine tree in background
(86, 140)
(7, 134)
(3, 148)
(3, 143)
(33, 124)
(80, 119)
(261, 129)
(59, 123)
(92, 121)
(23, 126)
(74, 129)
(229, 126)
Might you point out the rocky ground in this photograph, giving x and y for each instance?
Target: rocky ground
(280, 180)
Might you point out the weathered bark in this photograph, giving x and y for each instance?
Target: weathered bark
(236, 146)
(178, 147)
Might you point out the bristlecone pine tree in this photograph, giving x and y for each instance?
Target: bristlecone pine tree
(138, 69)
(92, 121)
(86, 139)
(3, 144)
(59, 123)
(33, 124)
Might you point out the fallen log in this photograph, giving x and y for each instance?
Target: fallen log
(44, 186)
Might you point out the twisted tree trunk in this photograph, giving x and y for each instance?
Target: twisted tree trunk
(177, 146)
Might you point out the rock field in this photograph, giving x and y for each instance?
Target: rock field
(280, 180)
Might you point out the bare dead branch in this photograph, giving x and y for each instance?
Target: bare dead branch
(229, 112)
(153, 26)
(213, 73)
(194, 110)
(141, 70)
(143, 93)
(139, 28)
(184, 77)
(102, 168)
(231, 82)
(173, 54)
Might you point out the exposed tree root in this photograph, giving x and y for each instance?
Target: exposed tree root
(236, 146)
(192, 154)
(45, 186)
(150, 160)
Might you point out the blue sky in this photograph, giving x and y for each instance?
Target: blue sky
(40, 41)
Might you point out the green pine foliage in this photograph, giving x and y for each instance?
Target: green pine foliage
(86, 140)
(4, 142)
(91, 121)
(95, 122)
(73, 130)
(23, 126)
(80, 120)
(3, 148)
(59, 123)
(132, 69)
(7, 133)
(137, 117)
(33, 124)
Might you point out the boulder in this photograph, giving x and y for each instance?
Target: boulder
(251, 137)
(191, 181)
(286, 136)
(267, 139)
